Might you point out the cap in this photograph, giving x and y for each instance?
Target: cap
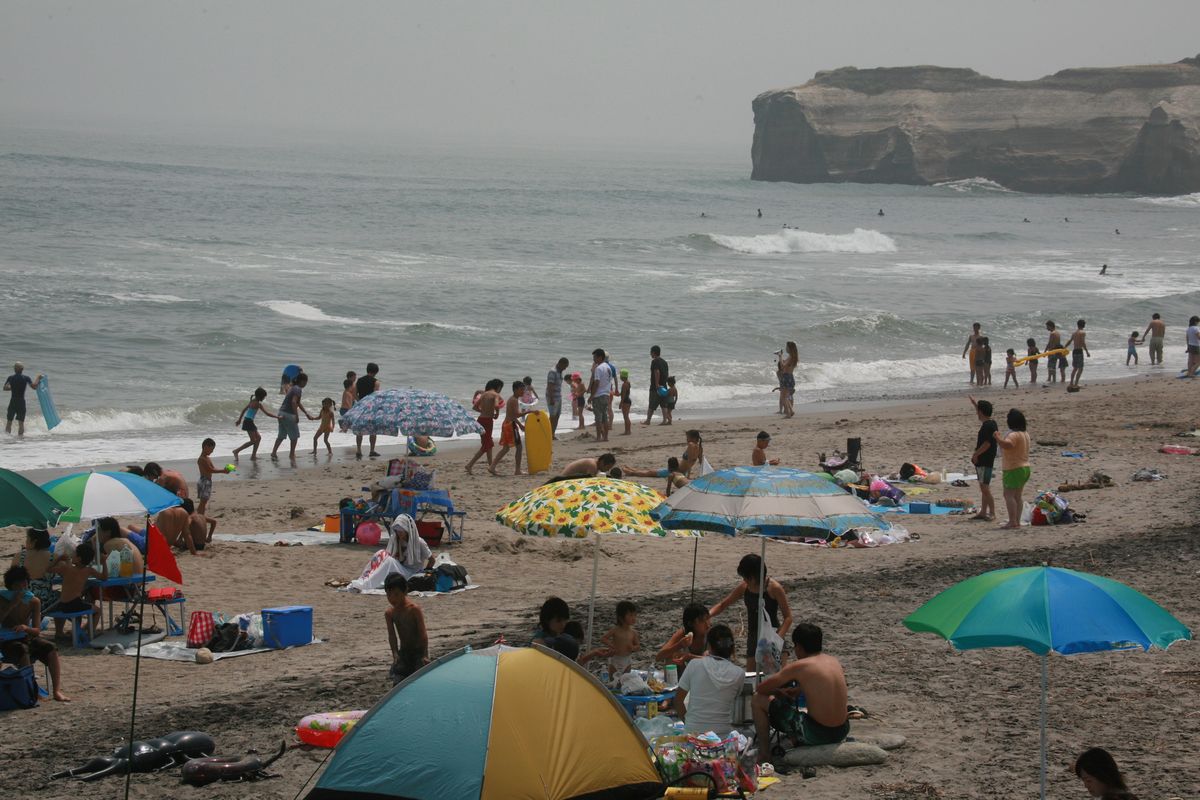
(575, 376)
(624, 373)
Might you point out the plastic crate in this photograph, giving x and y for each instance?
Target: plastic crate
(289, 626)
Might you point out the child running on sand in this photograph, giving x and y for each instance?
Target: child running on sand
(689, 642)
(1132, 351)
(626, 401)
(1014, 458)
(325, 424)
(1031, 350)
(1010, 368)
(245, 421)
(75, 574)
(407, 637)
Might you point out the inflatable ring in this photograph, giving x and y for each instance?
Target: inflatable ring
(415, 449)
(1062, 351)
(326, 730)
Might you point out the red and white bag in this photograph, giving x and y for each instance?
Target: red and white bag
(200, 629)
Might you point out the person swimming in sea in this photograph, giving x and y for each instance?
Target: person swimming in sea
(1104, 269)
(880, 214)
(1025, 220)
(760, 213)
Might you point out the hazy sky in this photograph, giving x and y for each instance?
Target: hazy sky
(662, 73)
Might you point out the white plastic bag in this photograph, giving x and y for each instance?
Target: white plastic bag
(1027, 514)
(768, 654)
(705, 467)
(633, 684)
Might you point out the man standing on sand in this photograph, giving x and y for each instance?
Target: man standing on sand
(659, 372)
(1078, 347)
(600, 389)
(1157, 329)
(487, 404)
(364, 387)
(554, 381)
(17, 383)
(822, 682)
(1054, 342)
(971, 348)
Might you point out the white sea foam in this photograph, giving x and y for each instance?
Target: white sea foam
(714, 285)
(1179, 201)
(862, 240)
(303, 311)
(139, 297)
(973, 185)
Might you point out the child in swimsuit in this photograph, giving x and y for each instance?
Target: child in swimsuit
(245, 421)
(626, 401)
(577, 393)
(326, 425)
(672, 397)
(621, 641)
(1132, 352)
(1010, 369)
(1032, 350)
(347, 400)
(689, 642)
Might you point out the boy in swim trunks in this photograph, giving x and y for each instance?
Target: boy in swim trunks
(819, 677)
(204, 486)
(407, 637)
(21, 613)
(510, 431)
(1078, 347)
(75, 574)
(488, 405)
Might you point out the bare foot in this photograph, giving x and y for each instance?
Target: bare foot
(60, 697)
(518, 472)
(493, 472)
(469, 472)
(1009, 527)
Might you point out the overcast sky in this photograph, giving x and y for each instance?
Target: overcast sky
(663, 73)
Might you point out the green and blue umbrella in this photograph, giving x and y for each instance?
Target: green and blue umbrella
(409, 412)
(1046, 609)
(91, 495)
(23, 502)
(770, 501)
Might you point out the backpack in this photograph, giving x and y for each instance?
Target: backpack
(424, 582)
(450, 577)
(18, 688)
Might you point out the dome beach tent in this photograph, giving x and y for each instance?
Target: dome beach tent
(500, 723)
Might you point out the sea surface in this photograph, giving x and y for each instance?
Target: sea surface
(159, 283)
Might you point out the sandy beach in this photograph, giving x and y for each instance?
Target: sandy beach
(970, 718)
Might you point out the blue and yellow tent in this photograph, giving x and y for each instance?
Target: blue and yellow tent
(501, 723)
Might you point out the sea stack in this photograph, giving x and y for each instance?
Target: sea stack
(1106, 129)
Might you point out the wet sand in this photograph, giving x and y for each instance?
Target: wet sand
(971, 718)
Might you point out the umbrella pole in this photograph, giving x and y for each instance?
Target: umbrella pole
(1045, 679)
(592, 602)
(695, 553)
(137, 667)
(762, 580)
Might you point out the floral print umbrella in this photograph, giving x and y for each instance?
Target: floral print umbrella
(579, 507)
(409, 412)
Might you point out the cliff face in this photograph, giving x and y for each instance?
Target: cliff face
(1119, 129)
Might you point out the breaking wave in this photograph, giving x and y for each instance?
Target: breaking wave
(862, 240)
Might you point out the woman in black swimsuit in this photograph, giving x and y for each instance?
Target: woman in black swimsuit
(774, 600)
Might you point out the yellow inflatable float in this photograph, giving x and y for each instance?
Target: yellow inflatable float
(1062, 351)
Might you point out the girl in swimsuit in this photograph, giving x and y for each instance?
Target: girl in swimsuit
(245, 421)
(787, 379)
(693, 455)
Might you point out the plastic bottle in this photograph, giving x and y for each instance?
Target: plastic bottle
(605, 677)
(113, 561)
(671, 676)
(126, 566)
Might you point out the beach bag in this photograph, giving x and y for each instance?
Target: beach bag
(18, 688)
(768, 654)
(423, 582)
(450, 577)
(200, 628)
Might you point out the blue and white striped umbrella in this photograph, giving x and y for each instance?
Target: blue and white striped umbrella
(772, 501)
(409, 412)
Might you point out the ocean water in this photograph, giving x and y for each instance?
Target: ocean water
(159, 283)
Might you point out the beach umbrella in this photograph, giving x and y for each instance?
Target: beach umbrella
(91, 495)
(409, 412)
(493, 724)
(1046, 609)
(770, 501)
(580, 507)
(23, 502)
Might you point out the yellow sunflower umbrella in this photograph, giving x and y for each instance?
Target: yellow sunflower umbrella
(579, 507)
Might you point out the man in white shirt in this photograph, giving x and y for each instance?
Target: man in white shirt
(600, 390)
(710, 686)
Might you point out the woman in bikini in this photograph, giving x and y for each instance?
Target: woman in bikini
(693, 454)
(787, 379)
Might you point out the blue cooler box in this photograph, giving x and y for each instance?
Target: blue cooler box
(289, 626)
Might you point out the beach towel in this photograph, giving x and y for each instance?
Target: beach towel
(177, 651)
(291, 537)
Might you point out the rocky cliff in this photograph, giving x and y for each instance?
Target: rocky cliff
(1118, 129)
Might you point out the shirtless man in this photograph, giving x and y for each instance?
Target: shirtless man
(169, 479)
(822, 682)
(200, 527)
(586, 468)
(488, 405)
(510, 431)
(759, 457)
(1157, 329)
(972, 347)
(1078, 346)
(1054, 342)
(175, 525)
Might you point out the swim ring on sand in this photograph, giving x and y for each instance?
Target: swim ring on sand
(415, 449)
(326, 730)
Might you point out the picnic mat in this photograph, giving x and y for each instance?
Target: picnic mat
(290, 537)
(179, 651)
(903, 509)
(107, 638)
(415, 594)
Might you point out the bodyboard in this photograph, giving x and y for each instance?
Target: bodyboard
(49, 413)
(538, 441)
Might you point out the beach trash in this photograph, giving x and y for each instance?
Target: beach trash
(493, 724)
(368, 533)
